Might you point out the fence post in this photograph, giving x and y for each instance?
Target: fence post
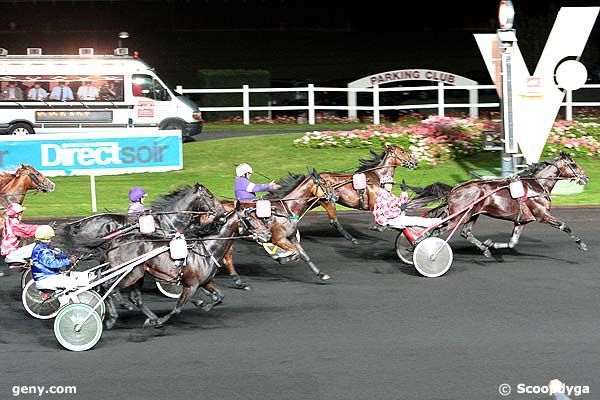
(376, 119)
(440, 99)
(246, 104)
(311, 103)
(474, 99)
(179, 89)
(352, 111)
(569, 108)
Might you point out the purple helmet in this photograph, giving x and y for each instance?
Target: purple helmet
(136, 193)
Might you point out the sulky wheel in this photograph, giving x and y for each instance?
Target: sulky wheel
(432, 257)
(404, 249)
(77, 327)
(92, 298)
(35, 306)
(169, 289)
(25, 277)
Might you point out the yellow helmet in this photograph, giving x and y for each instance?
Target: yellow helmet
(44, 233)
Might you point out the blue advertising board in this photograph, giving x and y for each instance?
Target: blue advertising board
(100, 153)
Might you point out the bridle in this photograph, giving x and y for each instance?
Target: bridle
(329, 194)
(406, 163)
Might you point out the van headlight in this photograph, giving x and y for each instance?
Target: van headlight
(197, 116)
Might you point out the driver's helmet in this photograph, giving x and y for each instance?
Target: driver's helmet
(136, 193)
(386, 179)
(44, 233)
(14, 209)
(243, 169)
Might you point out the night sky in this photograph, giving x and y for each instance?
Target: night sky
(329, 42)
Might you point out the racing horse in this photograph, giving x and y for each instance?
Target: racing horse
(467, 201)
(14, 185)
(380, 164)
(179, 206)
(296, 195)
(204, 256)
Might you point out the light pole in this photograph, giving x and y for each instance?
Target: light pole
(122, 35)
(506, 40)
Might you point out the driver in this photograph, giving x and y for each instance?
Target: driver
(244, 188)
(46, 263)
(390, 209)
(14, 229)
(136, 196)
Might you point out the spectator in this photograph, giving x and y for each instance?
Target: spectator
(62, 92)
(109, 91)
(87, 92)
(37, 92)
(12, 92)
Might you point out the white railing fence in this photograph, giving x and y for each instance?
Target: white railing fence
(311, 108)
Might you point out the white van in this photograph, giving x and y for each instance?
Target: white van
(66, 93)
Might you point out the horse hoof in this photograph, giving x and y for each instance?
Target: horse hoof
(247, 287)
(150, 322)
(354, 242)
(129, 307)
(242, 285)
(583, 246)
(206, 307)
(324, 277)
(109, 324)
(487, 253)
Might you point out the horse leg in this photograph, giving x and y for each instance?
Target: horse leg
(558, 224)
(135, 296)
(512, 243)
(215, 294)
(123, 304)
(228, 264)
(333, 220)
(112, 315)
(467, 233)
(186, 295)
(322, 276)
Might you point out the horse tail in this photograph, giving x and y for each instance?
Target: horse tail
(436, 192)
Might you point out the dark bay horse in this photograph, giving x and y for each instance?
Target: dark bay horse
(177, 207)
(379, 165)
(467, 201)
(205, 254)
(296, 195)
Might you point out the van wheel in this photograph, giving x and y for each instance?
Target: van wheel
(178, 125)
(20, 129)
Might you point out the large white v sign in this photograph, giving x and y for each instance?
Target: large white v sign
(535, 113)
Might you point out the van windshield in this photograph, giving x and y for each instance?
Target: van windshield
(148, 87)
(48, 88)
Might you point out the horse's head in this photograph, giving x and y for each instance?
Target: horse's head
(207, 201)
(38, 181)
(322, 189)
(569, 169)
(251, 224)
(400, 157)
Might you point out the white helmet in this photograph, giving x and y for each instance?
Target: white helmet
(386, 179)
(44, 233)
(243, 169)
